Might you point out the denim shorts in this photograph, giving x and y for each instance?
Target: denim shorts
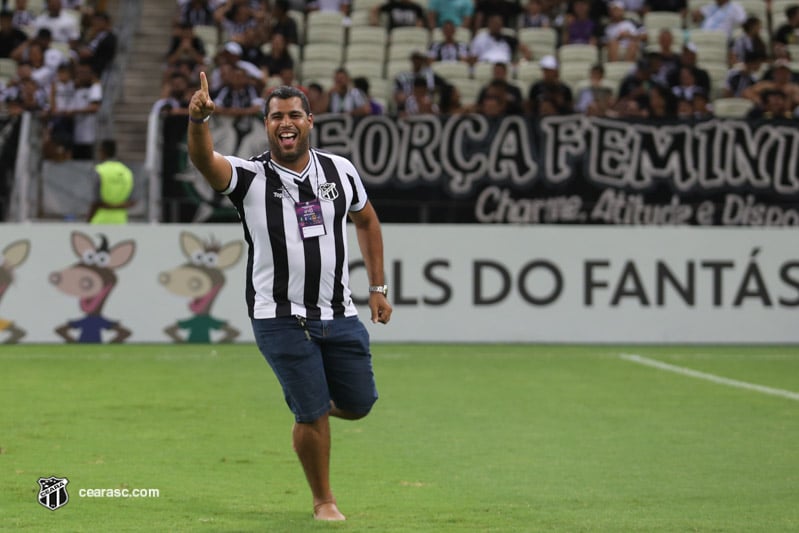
(316, 361)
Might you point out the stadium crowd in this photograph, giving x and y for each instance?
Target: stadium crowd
(673, 59)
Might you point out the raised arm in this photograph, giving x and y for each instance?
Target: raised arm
(212, 165)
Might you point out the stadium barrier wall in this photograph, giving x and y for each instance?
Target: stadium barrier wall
(472, 283)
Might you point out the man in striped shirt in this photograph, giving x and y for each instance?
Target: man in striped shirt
(294, 203)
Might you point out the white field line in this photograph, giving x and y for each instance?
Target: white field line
(782, 393)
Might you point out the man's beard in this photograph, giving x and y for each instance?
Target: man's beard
(300, 149)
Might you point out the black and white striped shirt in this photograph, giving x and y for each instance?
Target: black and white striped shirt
(287, 275)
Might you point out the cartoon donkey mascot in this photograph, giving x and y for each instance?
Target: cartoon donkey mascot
(13, 255)
(92, 279)
(201, 279)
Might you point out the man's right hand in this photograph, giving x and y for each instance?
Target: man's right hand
(201, 104)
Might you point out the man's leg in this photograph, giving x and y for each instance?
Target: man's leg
(312, 444)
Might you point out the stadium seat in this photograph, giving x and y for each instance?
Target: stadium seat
(207, 33)
(732, 107)
(325, 34)
(415, 35)
(365, 68)
(573, 72)
(381, 88)
(527, 73)
(370, 35)
(756, 8)
(322, 52)
(717, 73)
(400, 50)
(469, 89)
(8, 67)
(541, 41)
(656, 20)
(483, 71)
(451, 69)
(366, 51)
(395, 66)
(617, 70)
(582, 53)
(462, 35)
(319, 70)
(359, 18)
(299, 20)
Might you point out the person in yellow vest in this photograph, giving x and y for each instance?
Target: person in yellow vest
(115, 186)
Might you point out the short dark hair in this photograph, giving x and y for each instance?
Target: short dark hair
(284, 92)
(791, 10)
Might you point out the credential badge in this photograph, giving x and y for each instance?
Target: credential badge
(328, 191)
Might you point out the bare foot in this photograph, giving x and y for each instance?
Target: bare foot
(327, 510)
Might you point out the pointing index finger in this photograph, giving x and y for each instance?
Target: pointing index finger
(203, 83)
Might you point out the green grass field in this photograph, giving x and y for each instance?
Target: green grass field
(464, 438)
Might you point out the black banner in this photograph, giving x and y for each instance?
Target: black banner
(565, 170)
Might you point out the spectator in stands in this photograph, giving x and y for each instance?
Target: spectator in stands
(282, 23)
(227, 56)
(722, 15)
(285, 77)
(43, 70)
(534, 15)
(596, 97)
(399, 13)
(788, 33)
(508, 11)
(236, 18)
(10, 37)
(43, 37)
(687, 88)
(450, 102)
(403, 82)
(21, 15)
(197, 13)
(344, 98)
(774, 104)
(669, 60)
(175, 96)
(510, 95)
(278, 57)
(185, 46)
(58, 134)
(778, 77)
(448, 49)
(318, 99)
(420, 101)
(579, 27)
(85, 105)
(702, 106)
(685, 109)
(688, 59)
(362, 84)
(459, 12)
(550, 96)
(660, 103)
(240, 99)
(740, 78)
(335, 6)
(101, 44)
(623, 38)
(63, 27)
(634, 89)
(27, 95)
(494, 46)
(748, 41)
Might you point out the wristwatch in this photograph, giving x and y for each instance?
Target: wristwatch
(382, 289)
